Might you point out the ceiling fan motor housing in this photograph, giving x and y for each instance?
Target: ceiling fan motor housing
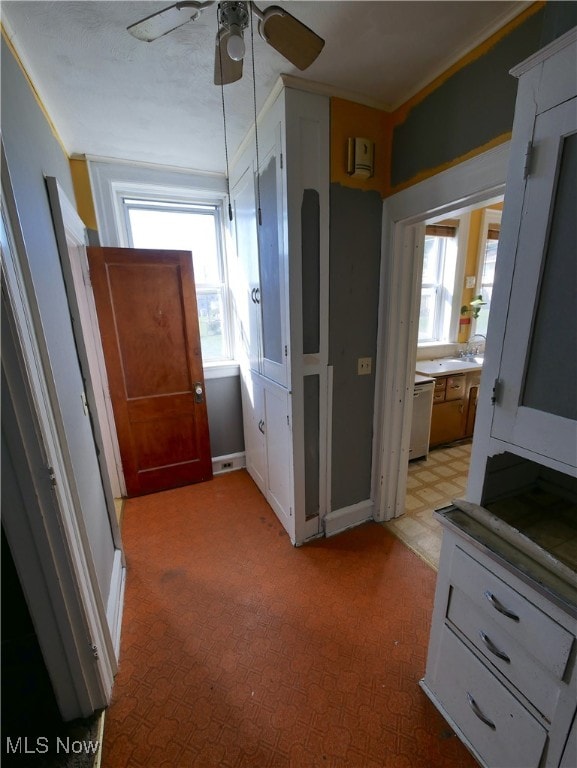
(233, 15)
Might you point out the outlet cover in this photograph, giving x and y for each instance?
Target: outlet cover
(470, 281)
(364, 366)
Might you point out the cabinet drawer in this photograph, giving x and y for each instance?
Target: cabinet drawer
(456, 386)
(504, 652)
(440, 383)
(538, 634)
(494, 722)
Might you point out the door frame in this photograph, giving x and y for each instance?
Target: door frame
(45, 533)
(463, 186)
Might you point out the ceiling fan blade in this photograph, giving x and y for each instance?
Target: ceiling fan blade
(226, 70)
(161, 23)
(290, 37)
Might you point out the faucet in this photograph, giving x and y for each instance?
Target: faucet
(471, 349)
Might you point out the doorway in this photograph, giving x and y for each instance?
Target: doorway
(461, 189)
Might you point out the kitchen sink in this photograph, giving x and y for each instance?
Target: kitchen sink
(445, 366)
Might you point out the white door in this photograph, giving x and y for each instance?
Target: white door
(536, 406)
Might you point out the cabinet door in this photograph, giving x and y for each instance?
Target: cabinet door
(272, 262)
(537, 392)
(254, 428)
(447, 422)
(279, 463)
(246, 278)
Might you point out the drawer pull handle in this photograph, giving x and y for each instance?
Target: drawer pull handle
(493, 648)
(500, 607)
(475, 707)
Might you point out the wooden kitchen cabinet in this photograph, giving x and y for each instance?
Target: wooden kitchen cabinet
(446, 422)
(448, 419)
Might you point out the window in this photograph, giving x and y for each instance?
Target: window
(438, 282)
(192, 227)
(487, 259)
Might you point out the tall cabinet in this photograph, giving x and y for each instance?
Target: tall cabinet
(279, 278)
(502, 660)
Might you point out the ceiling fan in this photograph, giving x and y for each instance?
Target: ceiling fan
(277, 27)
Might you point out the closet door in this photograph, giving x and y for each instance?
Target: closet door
(246, 286)
(536, 406)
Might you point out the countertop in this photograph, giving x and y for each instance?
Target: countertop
(445, 366)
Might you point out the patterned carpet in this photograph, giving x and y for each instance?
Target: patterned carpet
(239, 650)
(432, 483)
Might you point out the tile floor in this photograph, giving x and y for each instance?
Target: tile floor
(432, 483)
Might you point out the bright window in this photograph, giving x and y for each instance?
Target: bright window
(438, 283)
(196, 228)
(487, 259)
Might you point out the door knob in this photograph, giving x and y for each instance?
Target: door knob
(198, 392)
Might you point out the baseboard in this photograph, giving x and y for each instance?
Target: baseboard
(116, 601)
(347, 517)
(230, 463)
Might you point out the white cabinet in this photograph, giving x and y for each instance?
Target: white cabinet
(533, 308)
(268, 442)
(275, 233)
(501, 661)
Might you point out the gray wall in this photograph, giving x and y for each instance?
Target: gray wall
(355, 258)
(223, 403)
(476, 104)
(32, 152)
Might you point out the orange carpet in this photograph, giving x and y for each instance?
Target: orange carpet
(240, 651)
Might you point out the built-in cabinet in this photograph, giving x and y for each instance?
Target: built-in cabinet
(503, 651)
(279, 198)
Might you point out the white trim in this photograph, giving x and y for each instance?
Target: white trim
(115, 606)
(107, 178)
(348, 517)
(544, 53)
(220, 370)
(456, 190)
(329, 438)
(236, 461)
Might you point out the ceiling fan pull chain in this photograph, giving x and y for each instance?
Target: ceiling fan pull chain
(255, 122)
(224, 127)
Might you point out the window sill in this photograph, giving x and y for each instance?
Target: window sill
(221, 370)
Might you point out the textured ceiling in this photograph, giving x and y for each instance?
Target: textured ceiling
(111, 95)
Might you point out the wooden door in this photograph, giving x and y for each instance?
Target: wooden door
(146, 307)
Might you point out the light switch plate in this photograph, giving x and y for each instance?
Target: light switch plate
(470, 281)
(364, 366)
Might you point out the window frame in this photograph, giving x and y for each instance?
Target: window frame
(446, 322)
(213, 209)
(110, 180)
(491, 216)
(184, 197)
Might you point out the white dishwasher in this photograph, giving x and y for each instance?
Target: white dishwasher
(421, 420)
